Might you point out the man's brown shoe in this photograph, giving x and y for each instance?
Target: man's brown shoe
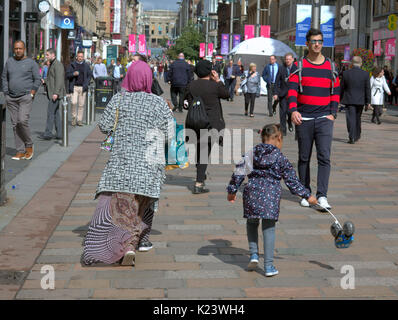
(19, 156)
(29, 153)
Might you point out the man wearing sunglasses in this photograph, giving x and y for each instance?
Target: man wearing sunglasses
(313, 97)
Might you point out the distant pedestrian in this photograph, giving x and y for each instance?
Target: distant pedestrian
(165, 71)
(281, 91)
(111, 67)
(99, 69)
(179, 76)
(314, 95)
(394, 90)
(210, 89)
(265, 165)
(55, 83)
(20, 80)
(251, 88)
(131, 59)
(79, 76)
(355, 94)
(238, 77)
(160, 70)
(379, 86)
(216, 65)
(118, 75)
(129, 188)
(230, 73)
(270, 74)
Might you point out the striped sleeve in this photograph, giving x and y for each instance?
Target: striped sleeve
(335, 98)
(293, 86)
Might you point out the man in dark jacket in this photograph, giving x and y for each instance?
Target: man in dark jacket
(179, 76)
(231, 71)
(79, 75)
(355, 93)
(281, 90)
(269, 76)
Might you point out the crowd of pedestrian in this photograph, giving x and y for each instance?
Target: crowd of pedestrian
(308, 91)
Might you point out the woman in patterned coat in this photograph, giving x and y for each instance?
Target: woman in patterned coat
(265, 165)
(130, 184)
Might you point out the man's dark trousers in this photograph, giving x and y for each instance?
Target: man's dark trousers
(53, 118)
(270, 94)
(353, 117)
(321, 131)
(230, 84)
(284, 114)
(180, 91)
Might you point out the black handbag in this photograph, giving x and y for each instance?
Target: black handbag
(197, 117)
(156, 88)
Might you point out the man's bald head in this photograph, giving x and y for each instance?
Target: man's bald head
(181, 56)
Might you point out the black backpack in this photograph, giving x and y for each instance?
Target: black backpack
(197, 117)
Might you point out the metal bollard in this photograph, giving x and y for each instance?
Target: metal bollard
(88, 108)
(92, 104)
(65, 138)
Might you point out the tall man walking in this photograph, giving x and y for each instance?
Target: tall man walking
(179, 76)
(21, 80)
(355, 93)
(313, 102)
(270, 73)
(79, 75)
(55, 92)
(230, 73)
(281, 90)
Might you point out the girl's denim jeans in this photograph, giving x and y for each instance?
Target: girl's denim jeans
(268, 227)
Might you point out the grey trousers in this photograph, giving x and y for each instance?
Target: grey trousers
(19, 109)
(53, 118)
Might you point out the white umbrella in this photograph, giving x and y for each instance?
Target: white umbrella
(263, 47)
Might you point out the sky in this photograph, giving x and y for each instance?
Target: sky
(160, 4)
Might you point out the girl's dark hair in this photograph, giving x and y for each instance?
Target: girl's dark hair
(271, 131)
(376, 71)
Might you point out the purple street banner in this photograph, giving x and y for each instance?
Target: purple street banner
(235, 40)
(347, 53)
(224, 43)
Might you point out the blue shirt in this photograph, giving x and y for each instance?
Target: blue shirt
(275, 67)
(116, 72)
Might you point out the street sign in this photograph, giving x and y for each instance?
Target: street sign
(111, 53)
(392, 22)
(64, 22)
(31, 17)
(87, 43)
(71, 34)
(117, 42)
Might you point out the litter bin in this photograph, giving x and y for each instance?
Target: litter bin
(103, 91)
(3, 192)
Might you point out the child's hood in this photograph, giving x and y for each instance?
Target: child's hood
(265, 156)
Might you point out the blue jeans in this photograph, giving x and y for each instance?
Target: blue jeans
(268, 227)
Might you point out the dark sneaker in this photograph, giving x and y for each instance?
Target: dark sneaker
(41, 137)
(145, 246)
(200, 189)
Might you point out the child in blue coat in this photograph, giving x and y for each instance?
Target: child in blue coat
(265, 165)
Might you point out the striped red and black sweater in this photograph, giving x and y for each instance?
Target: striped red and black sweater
(316, 99)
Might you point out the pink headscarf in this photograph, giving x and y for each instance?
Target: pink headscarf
(138, 78)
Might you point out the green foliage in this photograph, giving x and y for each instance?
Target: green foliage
(187, 43)
(368, 58)
(163, 42)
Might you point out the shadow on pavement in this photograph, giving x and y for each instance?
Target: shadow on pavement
(240, 257)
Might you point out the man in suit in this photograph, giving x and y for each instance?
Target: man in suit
(55, 83)
(231, 71)
(270, 73)
(355, 93)
(281, 90)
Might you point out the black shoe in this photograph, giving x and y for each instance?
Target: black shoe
(145, 246)
(42, 137)
(290, 127)
(174, 109)
(199, 190)
(180, 111)
(351, 141)
(373, 121)
(246, 114)
(271, 115)
(232, 100)
(379, 122)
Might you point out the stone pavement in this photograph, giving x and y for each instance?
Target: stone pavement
(200, 246)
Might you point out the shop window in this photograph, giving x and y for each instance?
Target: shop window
(385, 6)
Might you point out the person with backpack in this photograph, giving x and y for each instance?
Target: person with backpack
(207, 92)
(313, 97)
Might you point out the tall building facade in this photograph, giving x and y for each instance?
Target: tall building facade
(159, 25)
